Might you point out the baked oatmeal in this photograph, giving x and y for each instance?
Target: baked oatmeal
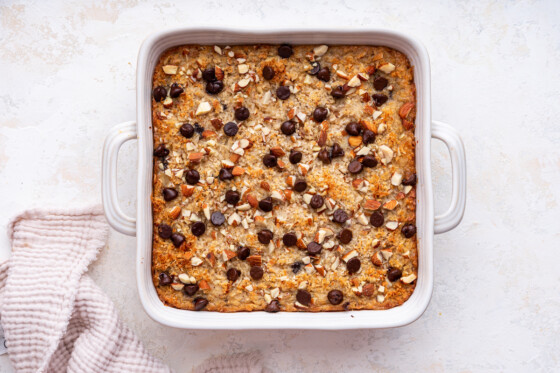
(284, 178)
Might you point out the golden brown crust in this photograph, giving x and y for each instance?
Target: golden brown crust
(204, 260)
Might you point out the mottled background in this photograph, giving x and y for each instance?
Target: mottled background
(67, 74)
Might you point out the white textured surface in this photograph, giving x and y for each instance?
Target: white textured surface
(67, 75)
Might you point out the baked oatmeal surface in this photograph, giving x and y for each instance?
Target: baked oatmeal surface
(284, 178)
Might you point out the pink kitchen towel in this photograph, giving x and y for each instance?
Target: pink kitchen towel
(54, 316)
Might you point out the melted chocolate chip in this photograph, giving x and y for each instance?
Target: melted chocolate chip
(376, 219)
(303, 297)
(340, 216)
(164, 231)
(187, 130)
(233, 274)
(209, 74)
(335, 297)
(288, 127)
(315, 68)
(159, 93)
(192, 177)
(198, 228)
(314, 248)
(408, 230)
(214, 87)
(355, 167)
(285, 51)
(289, 239)
(269, 160)
(161, 151)
(353, 129)
(242, 113)
(169, 194)
(324, 155)
(379, 99)
(393, 274)
(368, 137)
(320, 114)
(283, 92)
(300, 185)
(190, 289)
(295, 156)
(273, 306)
(297, 266)
(265, 236)
(200, 304)
(232, 197)
(369, 161)
(353, 265)
(165, 279)
(177, 239)
(198, 129)
(243, 252)
(225, 174)
(268, 72)
(380, 83)
(175, 90)
(316, 202)
(337, 151)
(410, 180)
(344, 236)
(256, 273)
(230, 129)
(338, 92)
(266, 204)
(324, 74)
(217, 218)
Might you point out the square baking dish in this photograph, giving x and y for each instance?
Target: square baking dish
(141, 226)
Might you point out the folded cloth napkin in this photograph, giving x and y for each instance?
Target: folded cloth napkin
(55, 318)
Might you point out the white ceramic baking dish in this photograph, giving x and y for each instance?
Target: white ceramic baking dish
(141, 226)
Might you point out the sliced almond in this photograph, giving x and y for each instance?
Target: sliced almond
(405, 109)
(229, 254)
(237, 171)
(177, 286)
(396, 179)
(386, 253)
(387, 67)
(254, 260)
(368, 290)
(168, 102)
(408, 279)
(390, 205)
(376, 259)
(203, 108)
(320, 50)
(252, 200)
(174, 212)
(244, 82)
(170, 69)
(355, 141)
(208, 134)
(202, 284)
(349, 255)
(195, 157)
(243, 68)
(187, 190)
(195, 261)
(407, 125)
(354, 81)
(392, 225)
(277, 151)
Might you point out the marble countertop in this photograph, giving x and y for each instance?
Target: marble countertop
(68, 75)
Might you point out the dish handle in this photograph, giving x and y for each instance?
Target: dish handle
(118, 135)
(454, 214)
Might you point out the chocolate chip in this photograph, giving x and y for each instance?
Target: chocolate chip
(285, 50)
(353, 265)
(288, 127)
(320, 114)
(192, 177)
(283, 92)
(241, 113)
(165, 279)
(233, 274)
(175, 90)
(376, 219)
(159, 93)
(380, 83)
(335, 297)
(368, 137)
(243, 252)
(270, 160)
(355, 167)
(295, 156)
(324, 74)
(190, 289)
(353, 129)
(369, 161)
(303, 297)
(266, 204)
(346, 306)
(324, 155)
(225, 174)
(273, 306)
(315, 68)
(187, 130)
(214, 87)
(164, 231)
(338, 92)
(230, 129)
(268, 72)
(340, 216)
(161, 151)
(408, 230)
(256, 273)
(337, 151)
(198, 228)
(296, 267)
(177, 239)
(344, 236)
(289, 239)
(217, 218)
(393, 274)
(200, 304)
(169, 194)
(300, 185)
(379, 99)
(209, 74)
(316, 202)
(232, 197)
(314, 248)
(265, 236)
(410, 180)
